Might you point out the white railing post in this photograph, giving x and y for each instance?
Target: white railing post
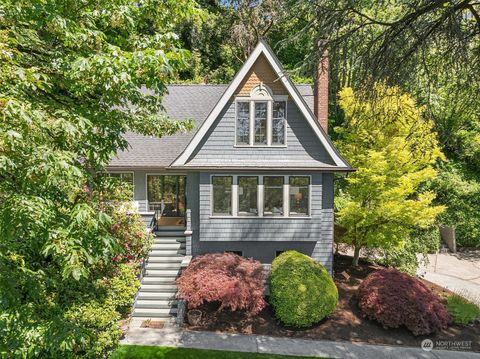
(188, 233)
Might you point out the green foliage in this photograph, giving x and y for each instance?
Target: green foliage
(67, 317)
(459, 189)
(68, 68)
(414, 253)
(122, 287)
(462, 310)
(393, 149)
(96, 328)
(302, 291)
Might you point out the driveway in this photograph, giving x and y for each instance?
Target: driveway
(459, 272)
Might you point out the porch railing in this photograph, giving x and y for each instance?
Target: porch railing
(188, 233)
(157, 215)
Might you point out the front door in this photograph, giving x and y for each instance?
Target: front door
(171, 190)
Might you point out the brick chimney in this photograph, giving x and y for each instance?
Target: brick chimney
(320, 92)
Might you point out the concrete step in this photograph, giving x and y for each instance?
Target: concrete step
(154, 313)
(158, 280)
(156, 296)
(171, 228)
(157, 288)
(165, 259)
(156, 304)
(167, 265)
(170, 233)
(167, 246)
(161, 273)
(168, 240)
(167, 253)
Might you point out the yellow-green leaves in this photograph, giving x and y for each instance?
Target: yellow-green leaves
(393, 147)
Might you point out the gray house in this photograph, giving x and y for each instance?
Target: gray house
(254, 177)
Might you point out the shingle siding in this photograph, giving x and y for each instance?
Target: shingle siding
(303, 148)
(190, 101)
(261, 237)
(261, 72)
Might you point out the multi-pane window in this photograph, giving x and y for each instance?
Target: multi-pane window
(222, 195)
(273, 196)
(299, 193)
(247, 195)
(170, 190)
(261, 196)
(260, 123)
(243, 123)
(278, 123)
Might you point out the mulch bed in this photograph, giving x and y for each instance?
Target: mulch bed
(345, 324)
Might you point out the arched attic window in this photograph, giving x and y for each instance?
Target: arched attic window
(260, 118)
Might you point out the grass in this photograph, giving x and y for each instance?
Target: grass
(462, 310)
(148, 352)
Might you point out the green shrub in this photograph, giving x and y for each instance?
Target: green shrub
(462, 310)
(122, 287)
(99, 319)
(302, 292)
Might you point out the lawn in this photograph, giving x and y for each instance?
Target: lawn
(148, 352)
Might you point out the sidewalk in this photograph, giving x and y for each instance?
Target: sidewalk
(174, 336)
(459, 272)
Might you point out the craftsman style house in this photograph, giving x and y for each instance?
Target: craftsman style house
(254, 177)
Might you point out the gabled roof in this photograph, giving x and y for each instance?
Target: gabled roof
(263, 49)
(185, 101)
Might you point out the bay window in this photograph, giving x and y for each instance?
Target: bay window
(222, 195)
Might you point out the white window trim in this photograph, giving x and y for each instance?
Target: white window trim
(262, 49)
(211, 196)
(159, 174)
(269, 101)
(260, 196)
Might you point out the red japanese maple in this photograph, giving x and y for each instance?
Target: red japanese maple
(236, 282)
(396, 299)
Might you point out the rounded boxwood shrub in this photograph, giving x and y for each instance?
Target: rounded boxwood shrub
(302, 292)
(396, 299)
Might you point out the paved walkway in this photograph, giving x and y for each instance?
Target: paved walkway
(459, 272)
(174, 336)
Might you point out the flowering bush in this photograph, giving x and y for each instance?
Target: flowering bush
(394, 299)
(237, 283)
(302, 291)
(130, 233)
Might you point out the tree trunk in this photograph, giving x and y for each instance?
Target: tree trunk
(356, 255)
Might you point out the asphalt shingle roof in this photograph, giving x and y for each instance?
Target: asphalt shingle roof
(182, 102)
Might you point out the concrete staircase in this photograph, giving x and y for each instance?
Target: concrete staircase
(156, 297)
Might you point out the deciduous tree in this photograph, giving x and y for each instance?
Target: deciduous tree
(394, 150)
